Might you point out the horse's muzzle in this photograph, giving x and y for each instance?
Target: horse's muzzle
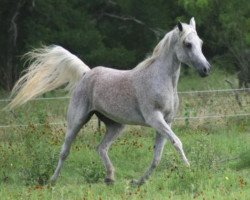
(205, 70)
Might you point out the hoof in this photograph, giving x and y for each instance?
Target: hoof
(52, 181)
(187, 164)
(109, 181)
(137, 182)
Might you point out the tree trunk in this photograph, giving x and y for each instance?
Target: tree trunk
(10, 69)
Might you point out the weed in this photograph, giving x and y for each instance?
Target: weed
(39, 157)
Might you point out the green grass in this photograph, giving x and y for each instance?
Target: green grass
(218, 149)
(219, 157)
(216, 80)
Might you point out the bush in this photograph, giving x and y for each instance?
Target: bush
(39, 158)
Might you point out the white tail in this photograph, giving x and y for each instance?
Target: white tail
(50, 67)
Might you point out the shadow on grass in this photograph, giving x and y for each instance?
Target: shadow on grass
(93, 173)
(244, 161)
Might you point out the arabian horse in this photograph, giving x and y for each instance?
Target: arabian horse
(145, 95)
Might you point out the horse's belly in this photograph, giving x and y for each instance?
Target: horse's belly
(124, 114)
(132, 119)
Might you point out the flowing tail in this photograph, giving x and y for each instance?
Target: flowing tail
(50, 67)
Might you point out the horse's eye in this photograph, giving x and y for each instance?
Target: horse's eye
(188, 45)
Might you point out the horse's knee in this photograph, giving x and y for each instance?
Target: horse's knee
(177, 143)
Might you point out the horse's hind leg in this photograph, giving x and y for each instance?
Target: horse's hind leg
(76, 119)
(113, 130)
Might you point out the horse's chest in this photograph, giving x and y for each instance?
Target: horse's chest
(166, 101)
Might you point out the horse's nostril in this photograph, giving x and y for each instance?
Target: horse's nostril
(205, 70)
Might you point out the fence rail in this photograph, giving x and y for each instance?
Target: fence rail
(215, 116)
(177, 118)
(181, 92)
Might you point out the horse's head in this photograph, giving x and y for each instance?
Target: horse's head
(188, 48)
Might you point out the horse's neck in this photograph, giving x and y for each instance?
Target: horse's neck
(168, 70)
(167, 66)
(162, 67)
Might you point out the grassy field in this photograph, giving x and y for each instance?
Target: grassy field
(218, 149)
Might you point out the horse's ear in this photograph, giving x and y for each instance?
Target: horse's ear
(180, 26)
(192, 23)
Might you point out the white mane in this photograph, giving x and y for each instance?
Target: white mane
(165, 45)
(162, 46)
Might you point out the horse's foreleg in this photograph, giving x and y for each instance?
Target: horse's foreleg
(160, 141)
(112, 132)
(157, 121)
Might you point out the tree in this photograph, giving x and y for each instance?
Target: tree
(226, 26)
(236, 34)
(120, 33)
(9, 20)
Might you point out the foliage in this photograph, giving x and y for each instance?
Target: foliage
(39, 157)
(119, 33)
(218, 155)
(34, 161)
(225, 25)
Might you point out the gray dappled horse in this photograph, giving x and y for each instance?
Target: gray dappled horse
(145, 95)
